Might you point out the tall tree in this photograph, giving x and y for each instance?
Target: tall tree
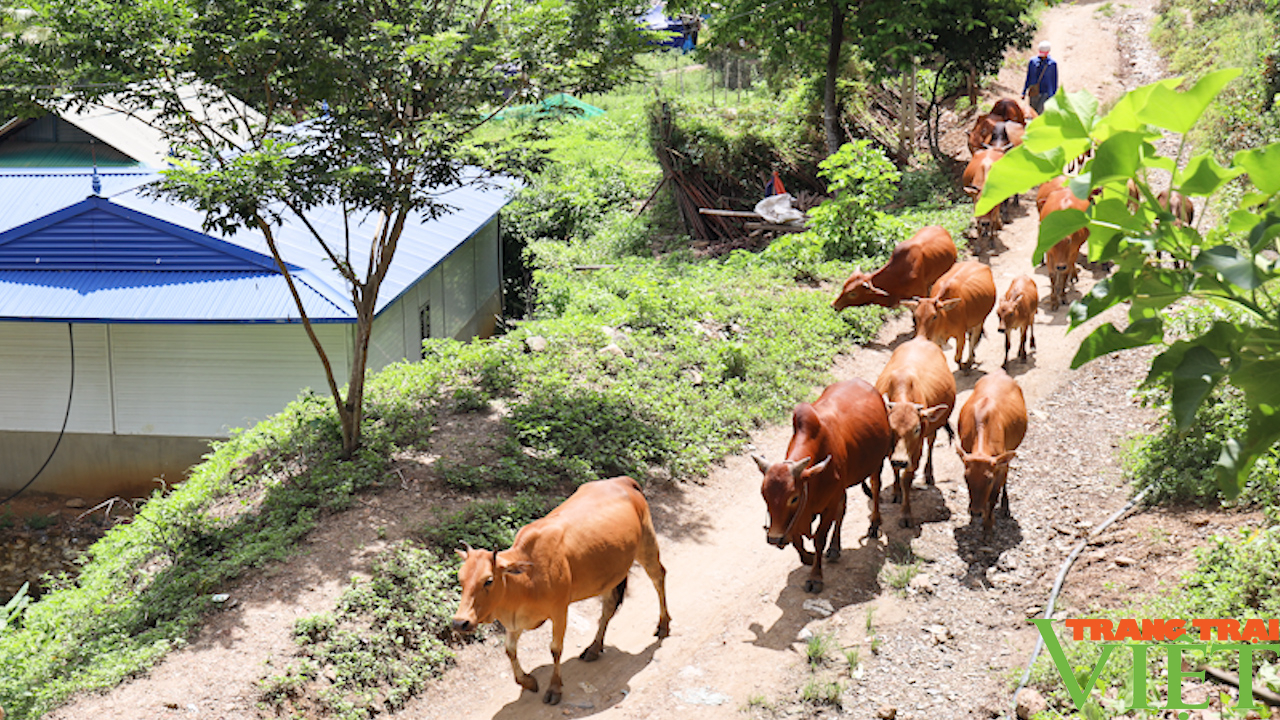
(393, 92)
(967, 38)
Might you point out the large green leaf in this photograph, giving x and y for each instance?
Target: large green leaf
(1193, 379)
(1105, 293)
(1017, 172)
(1179, 111)
(1238, 458)
(1263, 166)
(1055, 227)
(1156, 289)
(1231, 265)
(1263, 232)
(1079, 111)
(1125, 114)
(1106, 339)
(1117, 158)
(1203, 176)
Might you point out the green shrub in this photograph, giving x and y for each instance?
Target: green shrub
(386, 637)
(1235, 578)
(490, 524)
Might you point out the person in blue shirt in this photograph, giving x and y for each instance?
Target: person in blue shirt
(1042, 74)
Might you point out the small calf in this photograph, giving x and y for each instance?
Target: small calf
(1017, 311)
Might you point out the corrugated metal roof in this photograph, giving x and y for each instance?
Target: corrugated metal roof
(96, 234)
(159, 296)
(35, 206)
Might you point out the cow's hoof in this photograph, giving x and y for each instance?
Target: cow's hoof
(528, 682)
(832, 555)
(904, 522)
(552, 697)
(664, 629)
(895, 499)
(591, 654)
(813, 586)
(873, 531)
(928, 480)
(806, 558)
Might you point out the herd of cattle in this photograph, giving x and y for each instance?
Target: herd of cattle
(586, 546)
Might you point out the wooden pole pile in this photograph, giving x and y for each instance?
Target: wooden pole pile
(690, 188)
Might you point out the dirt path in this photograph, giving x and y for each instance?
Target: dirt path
(937, 649)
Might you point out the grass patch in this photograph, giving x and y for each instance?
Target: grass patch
(818, 648)
(818, 691)
(387, 636)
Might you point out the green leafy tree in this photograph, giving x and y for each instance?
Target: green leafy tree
(1231, 266)
(968, 38)
(393, 92)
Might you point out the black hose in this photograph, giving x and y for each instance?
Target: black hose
(71, 339)
(1057, 587)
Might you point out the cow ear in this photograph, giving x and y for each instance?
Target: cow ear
(910, 303)
(936, 413)
(876, 290)
(761, 463)
(1005, 458)
(888, 404)
(948, 303)
(462, 554)
(964, 456)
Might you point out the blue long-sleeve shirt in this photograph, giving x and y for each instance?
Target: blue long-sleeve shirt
(1048, 81)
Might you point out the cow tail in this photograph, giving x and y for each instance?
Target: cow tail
(865, 488)
(619, 592)
(951, 433)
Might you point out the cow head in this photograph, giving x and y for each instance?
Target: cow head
(485, 577)
(907, 422)
(858, 290)
(785, 496)
(930, 315)
(985, 475)
(1006, 311)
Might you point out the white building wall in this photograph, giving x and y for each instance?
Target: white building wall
(463, 294)
(35, 376)
(204, 380)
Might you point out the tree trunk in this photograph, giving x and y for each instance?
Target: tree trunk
(973, 88)
(830, 104)
(907, 115)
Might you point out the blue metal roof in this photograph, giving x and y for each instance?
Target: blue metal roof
(159, 297)
(164, 268)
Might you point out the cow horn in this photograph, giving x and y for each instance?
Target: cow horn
(761, 463)
(799, 466)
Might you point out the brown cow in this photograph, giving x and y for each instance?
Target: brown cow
(919, 392)
(1061, 258)
(583, 548)
(838, 441)
(1048, 188)
(975, 178)
(992, 424)
(960, 303)
(911, 271)
(1017, 311)
(1012, 110)
(980, 135)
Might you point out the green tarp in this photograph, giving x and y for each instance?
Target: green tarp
(558, 105)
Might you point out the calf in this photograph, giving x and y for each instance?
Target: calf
(1061, 257)
(959, 305)
(1017, 311)
(583, 548)
(975, 179)
(838, 441)
(919, 392)
(991, 426)
(911, 271)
